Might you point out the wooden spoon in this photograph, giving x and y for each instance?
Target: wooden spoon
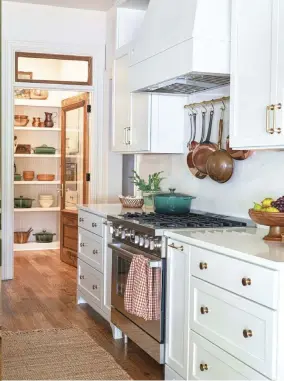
(220, 164)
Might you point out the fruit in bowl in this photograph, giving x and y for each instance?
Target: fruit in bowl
(270, 213)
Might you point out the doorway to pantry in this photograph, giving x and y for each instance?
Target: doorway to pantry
(51, 167)
(52, 114)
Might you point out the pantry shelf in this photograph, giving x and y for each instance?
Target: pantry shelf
(37, 103)
(55, 182)
(30, 246)
(38, 129)
(29, 210)
(31, 156)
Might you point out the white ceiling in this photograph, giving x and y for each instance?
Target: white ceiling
(99, 5)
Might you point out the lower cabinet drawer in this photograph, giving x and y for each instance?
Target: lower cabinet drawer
(208, 362)
(90, 282)
(90, 249)
(242, 328)
(171, 374)
(91, 222)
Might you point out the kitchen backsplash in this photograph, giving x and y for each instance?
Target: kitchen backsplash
(253, 179)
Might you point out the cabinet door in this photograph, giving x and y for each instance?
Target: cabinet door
(278, 62)
(140, 122)
(177, 327)
(107, 254)
(253, 77)
(121, 104)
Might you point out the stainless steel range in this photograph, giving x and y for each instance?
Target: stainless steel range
(142, 234)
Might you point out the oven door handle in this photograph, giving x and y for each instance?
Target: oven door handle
(153, 262)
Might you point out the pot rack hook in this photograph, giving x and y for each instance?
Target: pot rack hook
(212, 105)
(202, 105)
(193, 110)
(224, 106)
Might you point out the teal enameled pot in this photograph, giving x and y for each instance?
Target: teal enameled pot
(172, 203)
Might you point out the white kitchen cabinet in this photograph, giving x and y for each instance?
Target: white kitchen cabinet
(144, 122)
(95, 259)
(257, 80)
(177, 318)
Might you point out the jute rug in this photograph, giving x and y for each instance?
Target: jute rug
(56, 354)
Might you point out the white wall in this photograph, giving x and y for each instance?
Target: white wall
(29, 22)
(257, 177)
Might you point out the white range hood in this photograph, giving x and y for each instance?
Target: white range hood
(182, 47)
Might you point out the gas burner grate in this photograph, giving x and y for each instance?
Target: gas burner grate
(190, 220)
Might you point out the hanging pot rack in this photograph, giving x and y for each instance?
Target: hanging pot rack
(218, 100)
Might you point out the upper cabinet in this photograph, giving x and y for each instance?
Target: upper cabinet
(145, 122)
(257, 80)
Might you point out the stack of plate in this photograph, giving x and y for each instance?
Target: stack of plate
(46, 200)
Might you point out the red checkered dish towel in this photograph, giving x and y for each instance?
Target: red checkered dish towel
(142, 295)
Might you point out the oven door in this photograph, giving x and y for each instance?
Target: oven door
(121, 259)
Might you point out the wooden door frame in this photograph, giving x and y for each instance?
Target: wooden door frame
(9, 48)
(72, 103)
(69, 57)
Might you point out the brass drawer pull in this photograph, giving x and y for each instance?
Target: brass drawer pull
(204, 310)
(203, 367)
(203, 266)
(247, 333)
(269, 108)
(95, 287)
(82, 277)
(246, 281)
(82, 244)
(94, 225)
(81, 219)
(173, 246)
(276, 107)
(95, 252)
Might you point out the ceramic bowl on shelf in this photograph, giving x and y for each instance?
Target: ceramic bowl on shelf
(46, 201)
(45, 177)
(28, 175)
(275, 221)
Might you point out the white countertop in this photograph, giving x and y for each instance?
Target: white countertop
(104, 210)
(243, 243)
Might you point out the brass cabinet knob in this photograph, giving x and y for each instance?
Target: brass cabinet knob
(95, 251)
(95, 287)
(203, 265)
(278, 130)
(203, 367)
(204, 310)
(82, 277)
(247, 333)
(246, 281)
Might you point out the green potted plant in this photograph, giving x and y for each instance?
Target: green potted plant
(149, 188)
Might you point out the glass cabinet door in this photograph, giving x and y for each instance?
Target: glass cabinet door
(74, 152)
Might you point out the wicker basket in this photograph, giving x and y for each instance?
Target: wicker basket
(131, 202)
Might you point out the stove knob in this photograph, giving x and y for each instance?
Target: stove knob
(123, 233)
(152, 244)
(147, 242)
(136, 239)
(111, 230)
(141, 240)
(118, 231)
(158, 243)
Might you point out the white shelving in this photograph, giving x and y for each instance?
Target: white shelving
(30, 246)
(31, 156)
(38, 102)
(38, 129)
(39, 209)
(55, 182)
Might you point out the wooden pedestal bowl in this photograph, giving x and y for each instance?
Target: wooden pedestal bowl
(274, 220)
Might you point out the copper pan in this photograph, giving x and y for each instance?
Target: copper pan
(237, 154)
(205, 149)
(192, 144)
(220, 165)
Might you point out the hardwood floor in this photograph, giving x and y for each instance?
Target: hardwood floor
(43, 295)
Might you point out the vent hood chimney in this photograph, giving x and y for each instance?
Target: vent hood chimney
(183, 47)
